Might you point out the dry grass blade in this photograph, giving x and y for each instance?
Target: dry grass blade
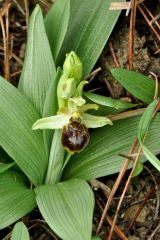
(119, 6)
(123, 5)
(26, 4)
(5, 34)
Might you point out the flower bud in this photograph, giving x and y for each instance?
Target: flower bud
(68, 88)
(73, 66)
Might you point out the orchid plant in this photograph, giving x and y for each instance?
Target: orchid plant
(35, 169)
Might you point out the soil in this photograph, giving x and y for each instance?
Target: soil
(144, 191)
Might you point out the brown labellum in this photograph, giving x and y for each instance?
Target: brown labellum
(75, 136)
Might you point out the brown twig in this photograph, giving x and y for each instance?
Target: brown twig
(116, 185)
(158, 51)
(147, 197)
(123, 5)
(92, 75)
(153, 19)
(142, 10)
(95, 89)
(40, 222)
(109, 88)
(27, 11)
(5, 34)
(116, 228)
(7, 62)
(11, 54)
(19, 7)
(46, 4)
(113, 55)
(154, 232)
(157, 193)
(124, 192)
(49, 231)
(109, 220)
(128, 180)
(132, 32)
(96, 184)
(128, 114)
(16, 73)
(156, 87)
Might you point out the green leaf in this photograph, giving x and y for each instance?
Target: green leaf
(151, 157)
(56, 23)
(56, 159)
(20, 232)
(39, 69)
(67, 208)
(138, 169)
(24, 146)
(144, 125)
(4, 157)
(95, 238)
(4, 167)
(101, 156)
(108, 101)
(146, 120)
(51, 107)
(90, 26)
(16, 200)
(141, 86)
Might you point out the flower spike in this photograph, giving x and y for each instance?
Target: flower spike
(72, 117)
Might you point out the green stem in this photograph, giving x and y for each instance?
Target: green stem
(56, 159)
(68, 155)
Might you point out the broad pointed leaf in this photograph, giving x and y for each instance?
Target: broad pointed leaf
(56, 23)
(141, 86)
(25, 146)
(16, 200)
(20, 232)
(90, 26)
(67, 207)
(39, 69)
(101, 156)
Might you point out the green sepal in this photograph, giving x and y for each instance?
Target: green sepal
(53, 122)
(91, 121)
